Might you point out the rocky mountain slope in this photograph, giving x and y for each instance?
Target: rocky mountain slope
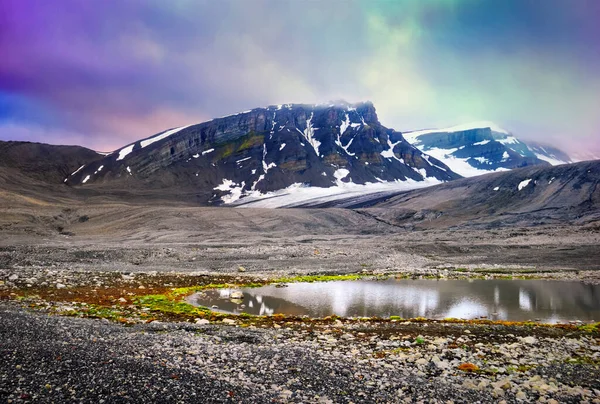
(44, 162)
(482, 147)
(268, 149)
(537, 195)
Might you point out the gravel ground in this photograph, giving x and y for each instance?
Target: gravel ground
(111, 253)
(59, 359)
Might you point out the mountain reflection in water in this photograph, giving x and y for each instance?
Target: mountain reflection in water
(516, 300)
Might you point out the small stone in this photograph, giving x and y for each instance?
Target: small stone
(141, 287)
(498, 393)
(440, 364)
(521, 395)
(122, 300)
(228, 321)
(502, 384)
(202, 321)
(466, 331)
(440, 341)
(60, 286)
(236, 294)
(241, 269)
(529, 340)
(468, 384)
(13, 277)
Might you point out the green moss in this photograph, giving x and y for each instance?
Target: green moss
(250, 140)
(520, 368)
(225, 151)
(169, 305)
(396, 318)
(583, 360)
(319, 278)
(593, 327)
(95, 311)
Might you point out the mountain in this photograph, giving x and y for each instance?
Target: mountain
(44, 162)
(482, 147)
(32, 174)
(536, 195)
(264, 150)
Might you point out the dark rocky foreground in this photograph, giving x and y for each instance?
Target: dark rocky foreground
(61, 359)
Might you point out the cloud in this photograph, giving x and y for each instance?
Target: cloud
(104, 73)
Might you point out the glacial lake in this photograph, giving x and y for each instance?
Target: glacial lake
(513, 300)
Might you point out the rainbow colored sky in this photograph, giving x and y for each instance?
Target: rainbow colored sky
(104, 73)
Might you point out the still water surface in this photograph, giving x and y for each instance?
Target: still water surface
(515, 300)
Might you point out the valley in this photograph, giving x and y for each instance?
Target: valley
(104, 267)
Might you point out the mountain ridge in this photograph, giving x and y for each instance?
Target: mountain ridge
(482, 147)
(268, 149)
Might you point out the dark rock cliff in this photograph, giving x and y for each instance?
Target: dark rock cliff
(268, 149)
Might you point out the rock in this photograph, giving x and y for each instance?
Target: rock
(521, 396)
(236, 294)
(202, 321)
(60, 286)
(122, 300)
(502, 384)
(421, 361)
(529, 340)
(440, 341)
(228, 321)
(13, 277)
(468, 384)
(241, 269)
(497, 393)
(442, 364)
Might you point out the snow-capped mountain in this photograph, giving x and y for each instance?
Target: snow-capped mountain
(265, 152)
(482, 147)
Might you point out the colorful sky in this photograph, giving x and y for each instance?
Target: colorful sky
(102, 73)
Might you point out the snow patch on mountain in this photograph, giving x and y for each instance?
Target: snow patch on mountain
(389, 154)
(163, 135)
(460, 166)
(523, 184)
(300, 194)
(551, 160)
(125, 151)
(309, 134)
(411, 136)
(340, 174)
(76, 171)
(234, 189)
